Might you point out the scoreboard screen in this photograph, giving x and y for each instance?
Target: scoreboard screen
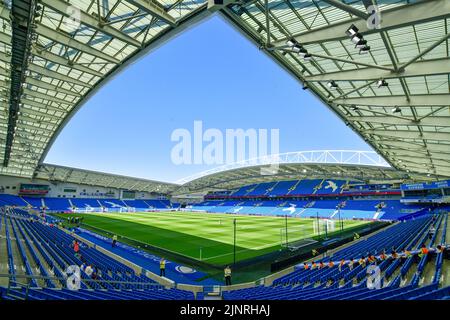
(126, 194)
(33, 189)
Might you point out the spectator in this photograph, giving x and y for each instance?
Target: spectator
(431, 232)
(351, 263)
(89, 270)
(76, 247)
(362, 262)
(341, 264)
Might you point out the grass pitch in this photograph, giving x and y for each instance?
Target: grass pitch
(205, 236)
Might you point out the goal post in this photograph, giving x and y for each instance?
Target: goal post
(324, 227)
(294, 235)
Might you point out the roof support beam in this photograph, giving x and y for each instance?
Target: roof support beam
(432, 147)
(63, 7)
(41, 106)
(22, 22)
(40, 52)
(48, 86)
(347, 8)
(423, 68)
(61, 38)
(383, 101)
(40, 84)
(419, 12)
(406, 153)
(443, 121)
(410, 135)
(45, 97)
(56, 75)
(155, 9)
(434, 45)
(49, 56)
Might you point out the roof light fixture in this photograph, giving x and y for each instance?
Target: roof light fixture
(357, 38)
(297, 48)
(332, 85)
(361, 44)
(352, 30)
(382, 83)
(302, 52)
(291, 42)
(364, 50)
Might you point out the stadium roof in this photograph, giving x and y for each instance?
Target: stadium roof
(50, 65)
(362, 166)
(56, 174)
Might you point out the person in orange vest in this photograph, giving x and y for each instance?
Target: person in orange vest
(331, 264)
(306, 266)
(383, 256)
(313, 265)
(423, 251)
(371, 258)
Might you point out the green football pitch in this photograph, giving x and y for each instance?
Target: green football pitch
(205, 236)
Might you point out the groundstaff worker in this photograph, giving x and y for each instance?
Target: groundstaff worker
(162, 267)
(227, 274)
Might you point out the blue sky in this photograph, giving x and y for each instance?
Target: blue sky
(209, 73)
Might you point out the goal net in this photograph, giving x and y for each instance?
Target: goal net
(127, 209)
(324, 226)
(295, 237)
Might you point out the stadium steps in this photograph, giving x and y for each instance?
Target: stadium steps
(40, 258)
(3, 252)
(445, 280)
(17, 258)
(29, 257)
(43, 249)
(447, 237)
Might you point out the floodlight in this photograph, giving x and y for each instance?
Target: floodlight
(351, 31)
(364, 50)
(382, 83)
(332, 85)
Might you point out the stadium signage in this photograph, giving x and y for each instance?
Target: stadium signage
(425, 186)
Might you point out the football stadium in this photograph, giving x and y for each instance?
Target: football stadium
(303, 225)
